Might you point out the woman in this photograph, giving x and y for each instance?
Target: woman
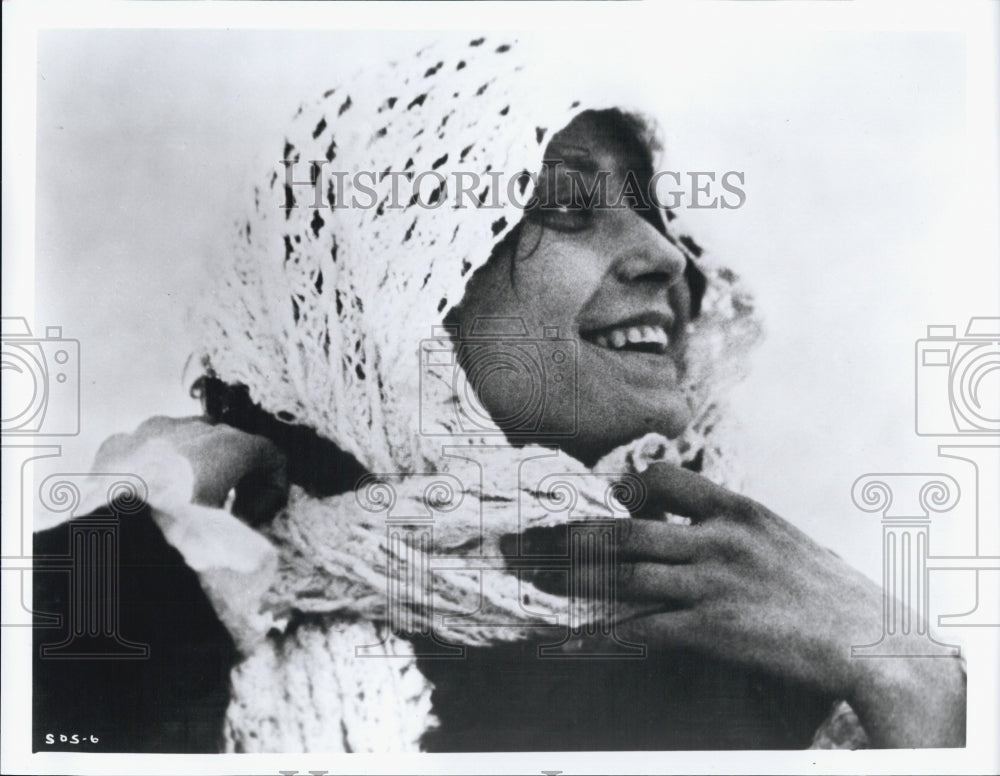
(409, 447)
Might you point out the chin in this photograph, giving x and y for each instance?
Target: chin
(596, 440)
(607, 417)
(662, 409)
(643, 412)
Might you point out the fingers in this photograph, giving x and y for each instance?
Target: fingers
(221, 457)
(224, 459)
(253, 465)
(227, 458)
(176, 430)
(632, 582)
(674, 489)
(631, 539)
(679, 628)
(263, 492)
(179, 429)
(651, 540)
(642, 560)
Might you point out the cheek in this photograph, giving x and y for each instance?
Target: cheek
(527, 386)
(507, 380)
(555, 282)
(680, 301)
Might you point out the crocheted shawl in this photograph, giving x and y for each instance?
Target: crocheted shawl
(329, 316)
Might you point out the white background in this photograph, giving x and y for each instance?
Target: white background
(868, 141)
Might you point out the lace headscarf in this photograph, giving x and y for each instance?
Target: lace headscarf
(322, 311)
(328, 315)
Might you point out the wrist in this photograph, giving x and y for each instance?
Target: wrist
(910, 701)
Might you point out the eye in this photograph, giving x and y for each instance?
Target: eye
(558, 202)
(560, 217)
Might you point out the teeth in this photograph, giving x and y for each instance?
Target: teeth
(654, 334)
(633, 335)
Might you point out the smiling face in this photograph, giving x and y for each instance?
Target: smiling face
(608, 279)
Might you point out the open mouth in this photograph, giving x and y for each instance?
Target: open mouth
(647, 333)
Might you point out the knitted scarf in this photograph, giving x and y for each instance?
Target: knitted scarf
(330, 316)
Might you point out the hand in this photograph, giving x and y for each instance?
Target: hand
(744, 585)
(222, 458)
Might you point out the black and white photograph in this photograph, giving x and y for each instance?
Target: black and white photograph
(501, 387)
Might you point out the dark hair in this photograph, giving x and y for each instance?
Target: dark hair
(314, 463)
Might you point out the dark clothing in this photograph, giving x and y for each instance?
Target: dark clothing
(172, 701)
(497, 699)
(507, 699)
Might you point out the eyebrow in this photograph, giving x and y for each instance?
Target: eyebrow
(577, 156)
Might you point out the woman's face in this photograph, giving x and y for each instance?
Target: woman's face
(608, 281)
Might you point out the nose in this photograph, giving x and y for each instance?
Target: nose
(645, 256)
